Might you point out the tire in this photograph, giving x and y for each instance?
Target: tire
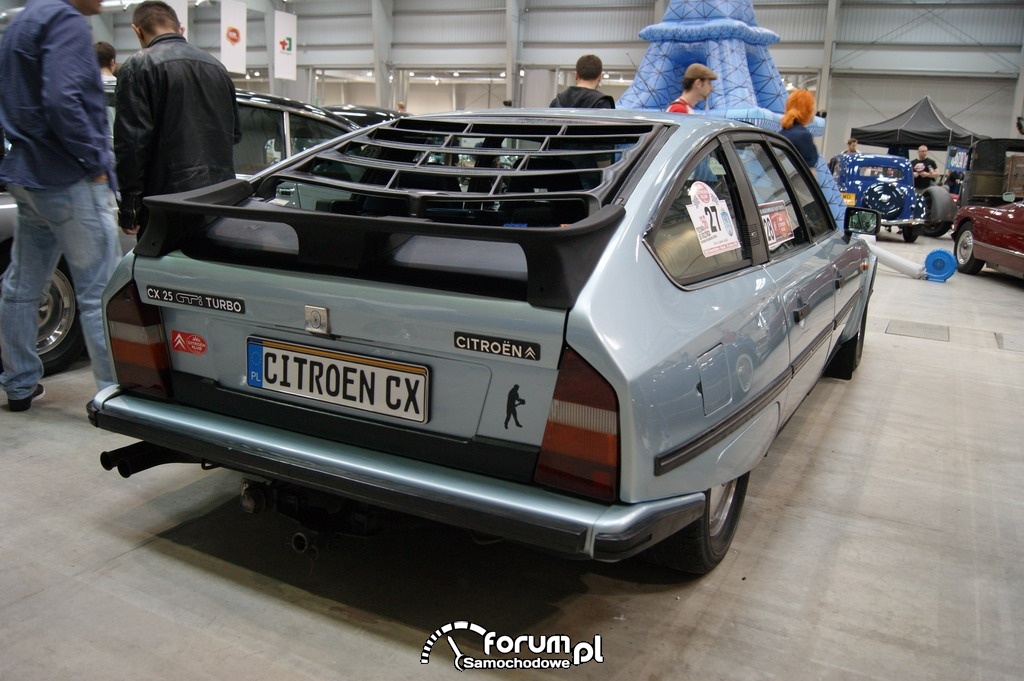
(847, 357)
(700, 546)
(937, 229)
(910, 233)
(965, 260)
(938, 209)
(60, 341)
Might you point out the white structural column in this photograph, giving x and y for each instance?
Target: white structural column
(825, 78)
(513, 40)
(383, 36)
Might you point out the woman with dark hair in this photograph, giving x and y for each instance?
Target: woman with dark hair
(799, 114)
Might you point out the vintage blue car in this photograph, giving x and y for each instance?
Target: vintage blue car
(577, 330)
(886, 183)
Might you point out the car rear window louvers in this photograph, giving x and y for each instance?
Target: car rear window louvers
(488, 172)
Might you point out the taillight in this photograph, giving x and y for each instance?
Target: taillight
(580, 451)
(137, 344)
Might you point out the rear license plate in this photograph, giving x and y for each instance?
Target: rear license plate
(365, 383)
(849, 199)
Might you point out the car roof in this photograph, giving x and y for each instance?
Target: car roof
(364, 115)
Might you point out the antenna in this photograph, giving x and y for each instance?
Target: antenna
(636, 70)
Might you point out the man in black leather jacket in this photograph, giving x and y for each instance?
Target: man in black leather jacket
(176, 116)
(584, 94)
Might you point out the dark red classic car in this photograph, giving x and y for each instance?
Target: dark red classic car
(992, 236)
(989, 226)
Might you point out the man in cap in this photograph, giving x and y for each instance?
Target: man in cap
(696, 88)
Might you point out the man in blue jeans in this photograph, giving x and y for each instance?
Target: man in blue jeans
(60, 171)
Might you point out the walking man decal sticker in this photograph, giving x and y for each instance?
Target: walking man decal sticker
(511, 405)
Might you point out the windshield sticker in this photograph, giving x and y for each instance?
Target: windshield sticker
(775, 219)
(710, 215)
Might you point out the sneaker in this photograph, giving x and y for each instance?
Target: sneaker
(25, 402)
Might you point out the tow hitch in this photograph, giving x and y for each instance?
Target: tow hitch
(325, 518)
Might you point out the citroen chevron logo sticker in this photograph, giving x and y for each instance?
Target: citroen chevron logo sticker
(491, 345)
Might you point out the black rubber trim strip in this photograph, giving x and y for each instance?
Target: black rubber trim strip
(845, 312)
(676, 458)
(808, 352)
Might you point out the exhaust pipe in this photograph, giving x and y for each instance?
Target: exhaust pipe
(140, 456)
(305, 545)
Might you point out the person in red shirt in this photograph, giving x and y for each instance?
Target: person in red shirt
(696, 88)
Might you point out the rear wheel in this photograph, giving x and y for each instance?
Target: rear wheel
(910, 233)
(965, 260)
(701, 545)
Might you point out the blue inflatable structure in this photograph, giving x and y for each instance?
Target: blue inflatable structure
(724, 36)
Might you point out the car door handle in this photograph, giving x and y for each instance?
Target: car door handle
(800, 313)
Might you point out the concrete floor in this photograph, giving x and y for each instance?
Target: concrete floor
(882, 539)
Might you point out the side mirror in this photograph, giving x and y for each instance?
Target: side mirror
(862, 221)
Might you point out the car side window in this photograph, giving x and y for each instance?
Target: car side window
(262, 139)
(814, 212)
(777, 209)
(697, 237)
(306, 132)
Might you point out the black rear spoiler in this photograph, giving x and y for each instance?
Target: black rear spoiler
(559, 260)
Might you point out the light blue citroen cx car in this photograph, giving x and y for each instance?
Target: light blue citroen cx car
(577, 330)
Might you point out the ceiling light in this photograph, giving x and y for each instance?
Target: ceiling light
(455, 74)
(256, 74)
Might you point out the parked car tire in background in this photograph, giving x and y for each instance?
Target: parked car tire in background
(60, 340)
(939, 210)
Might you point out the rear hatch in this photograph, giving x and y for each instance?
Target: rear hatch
(404, 289)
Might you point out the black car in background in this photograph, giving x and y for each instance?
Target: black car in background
(273, 128)
(365, 116)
